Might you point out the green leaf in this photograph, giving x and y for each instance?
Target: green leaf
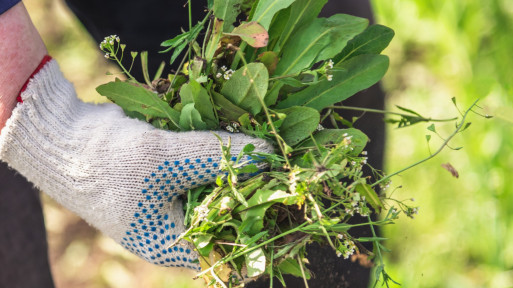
(193, 92)
(303, 11)
(255, 262)
(466, 126)
(253, 217)
(144, 65)
(214, 40)
(180, 42)
(272, 95)
(354, 75)
(270, 60)
(371, 41)
(227, 10)
(277, 25)
(202, 242)
(240, 90)
(428, 137)
(177, 52)
(334, 136)
(291, 266)
(299, 124)
(408, 110)
(226, 108)
(370, 196)
(318, 40)
(190, 119)
(135, 98)
(253, 33)
(432, 128)
(266, 9)
(248, 148)
(344, 28)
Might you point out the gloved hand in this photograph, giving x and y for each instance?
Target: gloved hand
(121, 175)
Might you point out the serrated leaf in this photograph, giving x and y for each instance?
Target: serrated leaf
(354, 75)
(243, 91)
(255, 262)
(138, 99)
(318, 40)
(227, 10)
(371, 41)
(370, 196)
(252, 33)
(193, 92)
(178, 50)
(299, 124)
(266, 9)
(190, 119)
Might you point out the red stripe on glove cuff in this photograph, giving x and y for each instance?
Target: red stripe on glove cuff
(45, 60)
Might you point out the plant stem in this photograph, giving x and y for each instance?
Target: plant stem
(260, 98)
(302, 270)
(190, 27)
(445, 143)
(283, 77)
(389, 112)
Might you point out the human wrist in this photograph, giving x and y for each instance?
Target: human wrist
(21, 51)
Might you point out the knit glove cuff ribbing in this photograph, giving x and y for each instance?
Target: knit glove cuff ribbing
(121, 175)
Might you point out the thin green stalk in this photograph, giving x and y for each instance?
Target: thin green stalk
(190, 26)
(302, 270)
(238, 56)
(444, 144)
(260, 98)
(284, 76)
(389, 112)
(114, 54)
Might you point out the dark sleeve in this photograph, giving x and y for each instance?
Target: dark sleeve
(7, 4)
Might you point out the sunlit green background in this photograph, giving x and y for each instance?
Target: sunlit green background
(463, 236)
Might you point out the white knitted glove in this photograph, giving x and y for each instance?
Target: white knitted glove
(121, 175)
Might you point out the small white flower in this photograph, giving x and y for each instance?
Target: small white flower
(329, 77)
(339, 253)
(107, 55)
(364, 152)
(223, 68)
(219, 75)
(340, 236)
(330, 64)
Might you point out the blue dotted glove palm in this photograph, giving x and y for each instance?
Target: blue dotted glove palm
(121, 175)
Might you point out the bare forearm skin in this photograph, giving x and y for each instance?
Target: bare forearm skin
(21, 50)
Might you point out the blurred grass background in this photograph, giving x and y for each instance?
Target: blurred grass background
(463, 236)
